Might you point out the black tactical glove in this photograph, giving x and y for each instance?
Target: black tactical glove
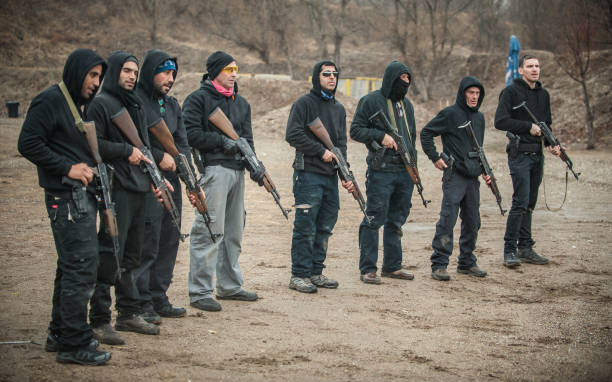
(229, 146)
(257, 174)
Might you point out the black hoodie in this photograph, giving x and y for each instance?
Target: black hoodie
(172, 114)
(114, 146)
(364, 132)
(205, 136)
(455, 141)
(518, 121)
(308, 149)
(49, 137)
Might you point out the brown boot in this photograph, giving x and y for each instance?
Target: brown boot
(107, 335)
(135, 323)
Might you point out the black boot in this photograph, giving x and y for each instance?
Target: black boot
(511, 260)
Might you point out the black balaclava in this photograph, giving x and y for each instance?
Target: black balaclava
(398, 90)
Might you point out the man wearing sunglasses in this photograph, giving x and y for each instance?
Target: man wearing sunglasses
(222, 178)
(388, 184)
(315, 183)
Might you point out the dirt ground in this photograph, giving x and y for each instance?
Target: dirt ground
(536, 323)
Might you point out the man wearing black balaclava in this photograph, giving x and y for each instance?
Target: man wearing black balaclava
(388, 184)
(315, 179)
(51, 140)
(460, 186)
(129, 189)
(222, 178)
(154, 274)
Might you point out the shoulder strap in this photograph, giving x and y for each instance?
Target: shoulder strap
(392, 117)
(75, 113)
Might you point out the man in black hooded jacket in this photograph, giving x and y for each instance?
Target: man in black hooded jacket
(222, 178)
(130, 187)
(315, 183)
(388, 184)
(51, 140)
(154, 274)
(460, 186)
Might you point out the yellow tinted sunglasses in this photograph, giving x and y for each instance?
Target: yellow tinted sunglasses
(230, 69)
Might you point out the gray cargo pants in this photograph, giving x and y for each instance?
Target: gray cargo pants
(224, 189)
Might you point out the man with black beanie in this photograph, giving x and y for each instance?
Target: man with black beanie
(50, 139)
(388, 184)
(460, 185)
(154, 274)
(222, 178)
(130, 186)
(315, 182)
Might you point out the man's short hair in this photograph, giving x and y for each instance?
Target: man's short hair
(526, 57)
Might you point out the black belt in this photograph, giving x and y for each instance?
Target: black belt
(534, 148)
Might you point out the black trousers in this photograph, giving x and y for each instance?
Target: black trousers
(526, 171)
(130, 209)
(461, 197)
(154, 275)
(74, 231)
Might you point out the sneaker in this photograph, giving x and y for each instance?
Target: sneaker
(135, 323)
(399, 274)
(107, 335)
(241, 295)
(370, 278)
(472, 271)
(528, 255)
(171, 311)
(151, 317)
(52, 345)
(511, 260)
(302, 284)
(83, 356)
(207, 303)
(323, 282)
(440, 274)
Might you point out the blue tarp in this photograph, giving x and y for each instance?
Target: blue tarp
(513, 58)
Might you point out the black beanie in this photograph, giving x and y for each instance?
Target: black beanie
(216, 62)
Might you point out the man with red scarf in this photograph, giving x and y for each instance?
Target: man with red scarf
(222, 167)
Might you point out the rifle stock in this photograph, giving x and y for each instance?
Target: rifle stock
(379, 119)
(220, 120)
(124, 122)
(319, 130)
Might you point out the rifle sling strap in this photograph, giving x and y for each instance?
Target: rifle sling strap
(544, 183)
(392, 115)
(75, 113)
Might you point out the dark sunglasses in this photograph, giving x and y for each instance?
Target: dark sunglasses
(327, 73)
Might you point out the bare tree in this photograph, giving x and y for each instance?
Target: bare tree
(573, 52)
(490, 31)
(317, 17)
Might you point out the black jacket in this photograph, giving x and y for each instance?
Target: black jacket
(455, 141)
(205, 136)
(518, 121)
(114, 146)
(158, 106)
(308, 149)
(49, 137)
(364, 132)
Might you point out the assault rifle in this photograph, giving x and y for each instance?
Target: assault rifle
(220, 120)
(163, 135)
(126, 125)
(549, 137)
(344, 172)
(484, 165)
(379, 119)
(103, 189)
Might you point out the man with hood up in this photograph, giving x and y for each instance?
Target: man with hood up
(460, 185)
(388, 184)
(315, 183)
(154, 274)
(130, 186)
(222, 178)
(50, 139)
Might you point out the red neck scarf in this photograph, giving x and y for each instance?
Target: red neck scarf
(223, 90)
